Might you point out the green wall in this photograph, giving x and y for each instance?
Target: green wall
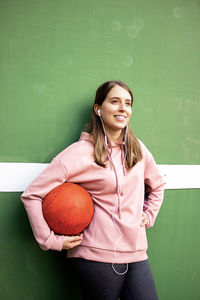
(53, 56)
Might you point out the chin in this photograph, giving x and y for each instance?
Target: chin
(120, 127)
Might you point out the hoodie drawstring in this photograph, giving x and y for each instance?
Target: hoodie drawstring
(118, 192)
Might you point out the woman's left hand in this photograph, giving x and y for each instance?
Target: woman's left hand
(144, 220)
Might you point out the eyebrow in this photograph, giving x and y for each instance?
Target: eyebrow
(120, 98)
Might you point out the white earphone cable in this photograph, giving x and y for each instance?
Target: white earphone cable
(118, 194)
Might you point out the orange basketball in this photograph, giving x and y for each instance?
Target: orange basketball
(68, 209)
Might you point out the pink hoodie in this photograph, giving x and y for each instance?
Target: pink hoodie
(115, 234)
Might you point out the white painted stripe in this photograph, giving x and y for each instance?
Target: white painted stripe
(181, 176)
(15, 177)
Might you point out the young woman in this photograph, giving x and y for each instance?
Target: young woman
(127, 189)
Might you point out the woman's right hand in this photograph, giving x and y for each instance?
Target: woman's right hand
(72, 241)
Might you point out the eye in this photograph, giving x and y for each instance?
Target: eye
(114, 101)
(128, 103)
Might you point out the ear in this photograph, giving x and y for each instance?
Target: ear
(96, 107)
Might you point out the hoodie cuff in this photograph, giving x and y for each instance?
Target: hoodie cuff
(54, 242)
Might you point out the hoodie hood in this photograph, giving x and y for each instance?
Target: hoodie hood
(85, 136)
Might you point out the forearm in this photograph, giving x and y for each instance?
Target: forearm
(32, 198)
(45, 237)
(152, 204)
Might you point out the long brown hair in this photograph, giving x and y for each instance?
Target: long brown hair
(134, 152)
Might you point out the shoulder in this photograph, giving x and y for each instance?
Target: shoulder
(83, 148)
(147, 155)
(143, 147)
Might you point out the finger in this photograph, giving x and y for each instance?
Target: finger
(143, 224)
(143, 221)
(74, 238)
(75, 244)
(71, 244)
(80, 234)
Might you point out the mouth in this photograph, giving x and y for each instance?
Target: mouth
(120, 117)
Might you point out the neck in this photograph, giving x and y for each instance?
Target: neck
(115, 136)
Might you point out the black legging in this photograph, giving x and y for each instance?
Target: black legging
(100, 282)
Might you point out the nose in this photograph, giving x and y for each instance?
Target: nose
(122, 106)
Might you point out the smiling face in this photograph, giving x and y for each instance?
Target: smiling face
(116, 110)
